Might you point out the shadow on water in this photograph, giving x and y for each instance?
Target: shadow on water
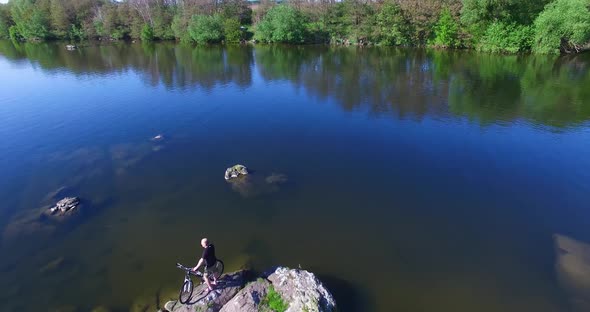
(349, 298)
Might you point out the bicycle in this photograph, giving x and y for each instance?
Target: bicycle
(186, 292)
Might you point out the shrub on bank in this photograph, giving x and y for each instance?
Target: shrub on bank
(506, 38)
(147, 33)
(206, 29)
(283, 24)
(446, 31)
(563, 25)
(232, 30)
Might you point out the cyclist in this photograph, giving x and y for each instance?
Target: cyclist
(208, 259)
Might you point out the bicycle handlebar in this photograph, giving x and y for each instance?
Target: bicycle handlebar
(188, 270)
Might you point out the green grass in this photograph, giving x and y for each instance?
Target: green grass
(274, 301)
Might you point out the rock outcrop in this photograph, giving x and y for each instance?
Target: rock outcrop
(249, 299)
(203, 300)
(302, 290)
(295, 290)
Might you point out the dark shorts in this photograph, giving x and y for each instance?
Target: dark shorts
(208, 270)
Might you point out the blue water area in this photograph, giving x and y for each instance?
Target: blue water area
(410, 180)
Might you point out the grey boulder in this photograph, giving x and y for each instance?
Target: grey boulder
(248, 299)
(302, 290)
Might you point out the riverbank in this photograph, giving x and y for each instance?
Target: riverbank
(538, 26)
(282, 289)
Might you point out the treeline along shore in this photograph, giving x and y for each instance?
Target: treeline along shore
(504, 26)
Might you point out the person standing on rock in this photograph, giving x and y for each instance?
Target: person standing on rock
(208, 258)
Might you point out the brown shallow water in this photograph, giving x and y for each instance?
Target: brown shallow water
(417, 180)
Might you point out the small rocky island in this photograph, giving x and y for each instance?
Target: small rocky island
(65, 206)
(252, 185)
(235, 171)
(283, 289)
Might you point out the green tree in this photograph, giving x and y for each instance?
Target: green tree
(232, 30)
(147, 33)
(14, 35)
(77, 33)
(180, 28)
(238, 9)
(563, 25)
(59, 19)
(5, 21)
(360, 20)
(162, 21)
(282, 23)
(477, 15)
(30, 19)
(335, 23)
(393, 25)
(206, 28)
(446, 31)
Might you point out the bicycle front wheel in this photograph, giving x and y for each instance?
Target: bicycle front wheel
(186, 291)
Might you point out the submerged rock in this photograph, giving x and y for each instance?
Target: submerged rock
(254, 185)
(573, 270)
(52, 266)
(65, 206)
(276, 178)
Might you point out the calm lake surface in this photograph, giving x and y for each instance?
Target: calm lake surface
(417, 180)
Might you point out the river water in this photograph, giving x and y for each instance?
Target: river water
(412, 180)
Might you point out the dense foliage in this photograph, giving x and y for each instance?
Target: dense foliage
(206, 29)
(282, 24)
(511, 38)
(564, 25)
(446, 31)
(506, 26)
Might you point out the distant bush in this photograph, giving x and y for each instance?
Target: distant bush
(147, 33)
(76, 33)
(284, 24)
(180, 28)
(506, 38)
(206, 28)
(232, 31)
(563, 25)
(446, 31)
(5, 21)
(119, 33)
(14, 34)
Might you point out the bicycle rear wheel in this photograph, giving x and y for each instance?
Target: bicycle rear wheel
(217, 269)
(186, 291)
